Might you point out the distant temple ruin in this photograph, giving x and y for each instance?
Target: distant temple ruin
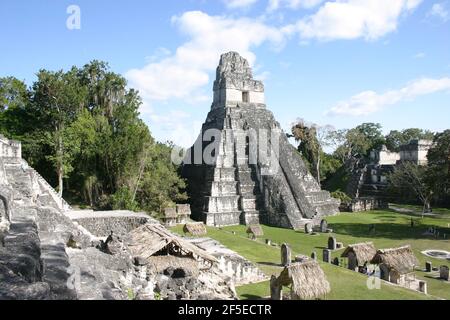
(370, 179)
(242, 168)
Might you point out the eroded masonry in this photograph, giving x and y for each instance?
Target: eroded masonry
(254, 175)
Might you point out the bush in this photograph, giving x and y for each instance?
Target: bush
(123, 200)
(345, 199)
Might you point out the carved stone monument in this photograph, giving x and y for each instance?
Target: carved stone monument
(332, 244)
(286, 255)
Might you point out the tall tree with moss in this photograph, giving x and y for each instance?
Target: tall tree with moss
(312, 140)
(57, 98)
(84, 124)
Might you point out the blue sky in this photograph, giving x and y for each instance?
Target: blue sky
(329, 62)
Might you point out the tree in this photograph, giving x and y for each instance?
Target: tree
(160, 185)
(357, 142)
(353, 144)
(396, 138)
(14, 97)
(373, 134)
(410, 178)
(81, 129)
(57, 98)
(438, 173)
(313, 138)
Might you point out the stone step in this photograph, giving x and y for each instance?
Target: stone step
(55, 265)
(318, 196)
(225, 161)
(250, 203)
(223, 188)
(250, 217)
(222, 174)
(246, 178)
(223, 218)
(248, 189)
(326, 208)
(221, 204)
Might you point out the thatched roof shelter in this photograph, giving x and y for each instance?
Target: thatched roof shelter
(307, 280)
(196, 229)
(364, 252)
(153, 239)
(161, 263)
(256, 230)
(170, 213)
(400, 259)
(183, 209)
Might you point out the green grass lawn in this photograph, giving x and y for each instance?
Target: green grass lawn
(391, 230)
(440, 212)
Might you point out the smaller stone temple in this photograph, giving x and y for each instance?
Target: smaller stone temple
(369, 180)
(415, 151)
(242, 168)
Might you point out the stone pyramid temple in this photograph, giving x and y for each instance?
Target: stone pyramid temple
(242, 168)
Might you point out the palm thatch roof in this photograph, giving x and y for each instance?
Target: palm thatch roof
(150, 239)
(364, 252)
(183, 209)
(196, 229)
(256, 230)
(307, 279)
(170, 213)
(400, 259)
(161, 263)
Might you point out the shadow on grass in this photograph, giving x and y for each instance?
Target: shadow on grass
(386, 230)
(436, 214)
(438, 278)
(252, 297)
(271, 264)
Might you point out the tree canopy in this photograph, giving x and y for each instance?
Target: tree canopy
(81, 130)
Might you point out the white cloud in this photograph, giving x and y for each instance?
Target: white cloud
(234, 4)
(292, 4)
(183, 74)
(368, 102)
(419, 55)
(159, 53)
(352, 19)
(439, 10)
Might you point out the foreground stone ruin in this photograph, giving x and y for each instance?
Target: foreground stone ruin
(49, 251)
(255, 175)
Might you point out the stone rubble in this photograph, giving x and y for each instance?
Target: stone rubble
(47, 254)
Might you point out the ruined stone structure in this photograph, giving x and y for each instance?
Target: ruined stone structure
(10, 148)
(369, 178)
(48, 251)
(242, 168)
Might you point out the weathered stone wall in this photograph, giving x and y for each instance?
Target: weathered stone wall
(102, 227)
(6, 211)
(384, 156)
(231, 264)
(10, 148)
(365, 204)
